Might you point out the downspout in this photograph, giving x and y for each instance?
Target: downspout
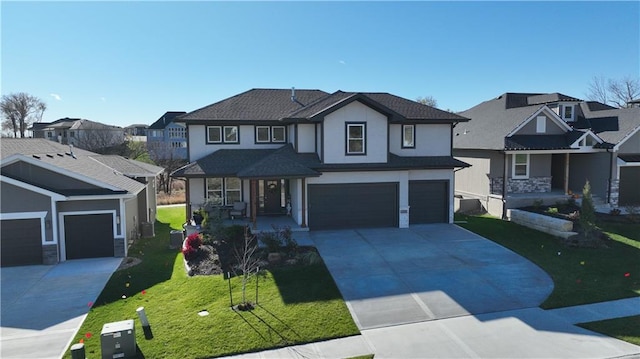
(610, 176)
(504, 187)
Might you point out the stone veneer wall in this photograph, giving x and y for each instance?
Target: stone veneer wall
(118, 247)
(529, 185)
(50, 254)
(614, 192)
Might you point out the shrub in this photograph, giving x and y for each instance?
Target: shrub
(271, 241)
(310, 258)
(191, 246)
(279, 238)
(587, 212)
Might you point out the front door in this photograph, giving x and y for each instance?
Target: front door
(272, 197)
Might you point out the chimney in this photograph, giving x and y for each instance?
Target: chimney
(293, 95)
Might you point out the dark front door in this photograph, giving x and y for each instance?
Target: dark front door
(272, 197)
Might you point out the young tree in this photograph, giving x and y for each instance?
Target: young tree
(19, 110)
(244, 253)
(587, 212)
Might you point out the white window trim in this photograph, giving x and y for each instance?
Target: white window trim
(364, 138)
(573, 113)
(219, 128)
(513, 166)
(284, 134)
(541, 124)
(413, 136)
(224, 134)
(268, 134)
(224, 190)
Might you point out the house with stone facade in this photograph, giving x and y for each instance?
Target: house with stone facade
(60, 202)
(527, 147)
(326, 160)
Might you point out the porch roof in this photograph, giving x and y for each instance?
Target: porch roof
(542, 142)
(252, 163)
(284, 162)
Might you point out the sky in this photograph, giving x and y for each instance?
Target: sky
(124, 63)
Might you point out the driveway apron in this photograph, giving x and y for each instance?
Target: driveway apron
(394, 276)
(44, 306)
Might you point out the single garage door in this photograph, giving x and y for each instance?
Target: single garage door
(428, 202)
(88, 235)
(21, 242)
(353, 205)
(629, 179)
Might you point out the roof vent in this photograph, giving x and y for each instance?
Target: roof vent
(50, 156)
(36, 157)
(293, 94)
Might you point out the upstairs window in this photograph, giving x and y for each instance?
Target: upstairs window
(271, 134)
(356, 143)
(520, 168)
(222, 134)
(177, 132)
(567, 112)
(408, 136)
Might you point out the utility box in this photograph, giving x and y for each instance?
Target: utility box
(175, 239)
(118, 340)
(147, 230)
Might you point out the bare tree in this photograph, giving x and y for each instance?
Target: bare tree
(613, 92)
(429, 101)
(247, 263)
(19, 110)
(97, 138)
(164, 156)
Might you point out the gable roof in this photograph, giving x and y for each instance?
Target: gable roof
(111, 172)
(613, 125)
(165, 119)
(280, 105)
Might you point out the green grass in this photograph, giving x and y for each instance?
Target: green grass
(296, 305)
(627, 329)
(580, 275)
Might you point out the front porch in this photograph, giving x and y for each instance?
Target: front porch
(266, 223)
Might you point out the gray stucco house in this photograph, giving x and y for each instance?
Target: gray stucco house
(327, 160)
(525, 147)
(60, 202)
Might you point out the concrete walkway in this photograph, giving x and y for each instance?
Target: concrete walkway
(44, 306)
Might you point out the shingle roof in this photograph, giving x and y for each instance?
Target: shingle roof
(85, 163)
(538, 142)
(165, 119)
(256, 105)
(129, 167)
(284, 162)
(277, 105)
(628, 120)
(549, 98)
(630, 158)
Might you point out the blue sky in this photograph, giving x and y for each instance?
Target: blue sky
(129, 62)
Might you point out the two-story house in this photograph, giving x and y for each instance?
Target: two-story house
(339, 160)
(527, 147)
(82, 133)
(167, 139)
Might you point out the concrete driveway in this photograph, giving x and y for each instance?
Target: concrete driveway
(44, 306)
(394, 276)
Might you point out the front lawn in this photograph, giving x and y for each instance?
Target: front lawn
(580, 275)
(295, 305)
(627, 329)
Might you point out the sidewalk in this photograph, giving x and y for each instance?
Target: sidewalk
(525, 333)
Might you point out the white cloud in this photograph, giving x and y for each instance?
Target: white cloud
(56, 96)
(342, 62)
(103, 99)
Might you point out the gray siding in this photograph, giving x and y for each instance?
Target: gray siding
(539, 166)
(131, 223)
(16, 199)
(43, 177)
(475, 179)
(592, 167)
(552, 127)
(631, 145)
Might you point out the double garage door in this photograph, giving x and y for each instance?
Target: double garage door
(369, 205)
(86, 236)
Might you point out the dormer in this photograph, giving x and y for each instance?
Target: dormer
(565, 110)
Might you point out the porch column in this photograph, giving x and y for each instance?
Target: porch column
(254, 203)
(566, 173)
(304, 203)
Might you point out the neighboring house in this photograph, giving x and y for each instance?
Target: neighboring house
(81, 133)
(60, 202)
(136, 130)
(167, 139)
(535, 147)
(340, 160)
